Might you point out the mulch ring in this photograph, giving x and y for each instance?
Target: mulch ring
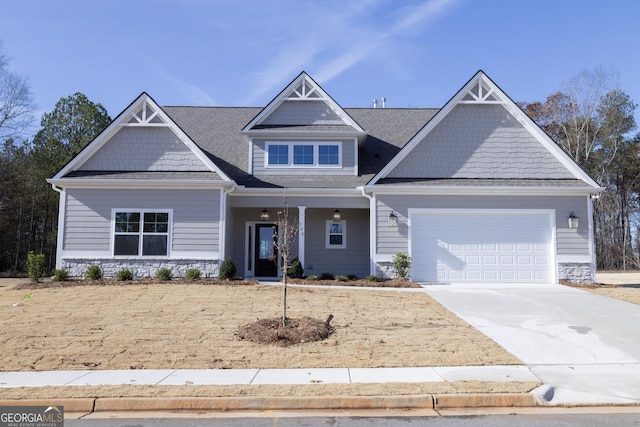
(295, 331)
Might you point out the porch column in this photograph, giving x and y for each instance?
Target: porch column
(301, 221)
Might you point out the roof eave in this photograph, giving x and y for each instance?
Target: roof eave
(481, 190)
(139, 183)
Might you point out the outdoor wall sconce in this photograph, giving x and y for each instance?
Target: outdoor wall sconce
(265, 215)
(573, 220)
(337, 216)
(393, 220)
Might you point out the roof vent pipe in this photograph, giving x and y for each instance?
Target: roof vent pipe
(384, 102)
(375, 103)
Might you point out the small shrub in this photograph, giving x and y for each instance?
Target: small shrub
(401, 265)
(312, 277)
(227, 269)
(93, 272)
(295, 270)
(327, 276)
(35, 266)
(341, 278)
(352, 277)
(164, 273)
(125, 274)
(192, 274)
(373, 278)
(60, 275)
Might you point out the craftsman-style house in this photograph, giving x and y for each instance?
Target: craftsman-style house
(474, 191)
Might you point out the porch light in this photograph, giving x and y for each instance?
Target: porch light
(265, 215)
(337, 216)
(393, 220)
(573, 220)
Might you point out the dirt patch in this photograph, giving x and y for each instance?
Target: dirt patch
(293, 331)
(309, 390)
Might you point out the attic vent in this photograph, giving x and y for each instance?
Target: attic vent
(480, 93)
(145, 115)
(305, 91)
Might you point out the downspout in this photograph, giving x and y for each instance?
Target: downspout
(223, 219)
(373, 239)
(62, 205)
(592, 244)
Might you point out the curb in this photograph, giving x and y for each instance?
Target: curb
(427, 401)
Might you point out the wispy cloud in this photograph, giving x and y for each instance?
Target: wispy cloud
(341, 40)
(193, 94)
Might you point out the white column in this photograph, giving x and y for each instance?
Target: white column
(301, 223)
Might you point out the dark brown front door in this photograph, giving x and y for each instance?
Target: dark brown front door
(266, 253)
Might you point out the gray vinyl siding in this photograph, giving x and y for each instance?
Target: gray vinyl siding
(144, 149)
(196, 215)
(349, 148)
(303, 113)
(480, 141)
(391, 240)
(354, 259)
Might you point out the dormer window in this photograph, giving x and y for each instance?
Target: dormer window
(303, 154)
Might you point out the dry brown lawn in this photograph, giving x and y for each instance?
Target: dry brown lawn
(628, 293)
(193, 326)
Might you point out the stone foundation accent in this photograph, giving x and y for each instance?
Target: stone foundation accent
(385, 270)
(142, 268)
(578, 273)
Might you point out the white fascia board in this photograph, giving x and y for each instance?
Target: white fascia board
(282, 96)
(120, 121)
(138, 183)
(422, 133)
(279, 192)
(512, 108)
(484, 191)
(297, 134)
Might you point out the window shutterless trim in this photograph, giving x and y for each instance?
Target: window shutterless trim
(291, 158)
(141, 233)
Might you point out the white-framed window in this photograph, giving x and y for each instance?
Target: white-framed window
(141, 232)
(336, 234)
(303, 154)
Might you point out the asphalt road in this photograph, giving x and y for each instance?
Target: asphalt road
(529, 420)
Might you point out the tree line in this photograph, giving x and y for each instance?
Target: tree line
(590, 119)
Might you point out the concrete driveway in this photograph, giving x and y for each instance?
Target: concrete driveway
(585, 346)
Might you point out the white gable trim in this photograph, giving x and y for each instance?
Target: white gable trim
(310, 91)
(156, 118)
(480, 89)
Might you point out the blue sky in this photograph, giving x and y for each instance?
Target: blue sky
(416, 53)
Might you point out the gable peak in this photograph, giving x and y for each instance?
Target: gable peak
(481, 90)
(144, 112)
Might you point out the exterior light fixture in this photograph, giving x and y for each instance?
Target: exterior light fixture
(393, 220)
(573, 220)
(265, 215)
(337, 216)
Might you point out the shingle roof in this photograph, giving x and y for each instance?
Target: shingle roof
(216, 130)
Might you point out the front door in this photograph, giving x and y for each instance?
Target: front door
(266, 254)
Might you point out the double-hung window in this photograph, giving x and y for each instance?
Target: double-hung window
(303, 154)
(141, 232)
(336, 237)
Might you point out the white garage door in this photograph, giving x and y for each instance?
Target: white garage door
(481, 246)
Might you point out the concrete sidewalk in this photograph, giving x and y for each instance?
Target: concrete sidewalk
(194, 377)
(265, 376)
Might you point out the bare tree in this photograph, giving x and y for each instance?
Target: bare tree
(16, 101)
(285, 239)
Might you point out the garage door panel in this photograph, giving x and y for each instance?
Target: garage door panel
(476, 246)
